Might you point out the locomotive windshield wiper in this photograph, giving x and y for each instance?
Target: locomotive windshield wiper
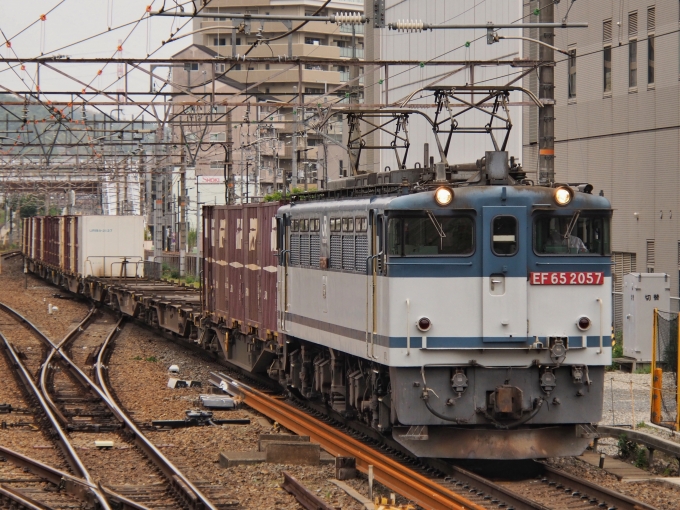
(436, 224)
(572, 224)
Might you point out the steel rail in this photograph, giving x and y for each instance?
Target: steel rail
(63, 441)
(20, 499)
(410, 484)
(602, 494)
(72, 484)
(195, 498)
(303, 495)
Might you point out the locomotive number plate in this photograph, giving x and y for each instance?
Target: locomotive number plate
(567, 278)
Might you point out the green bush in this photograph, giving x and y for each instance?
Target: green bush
(627, 449)
(174, 273)
(281, 195)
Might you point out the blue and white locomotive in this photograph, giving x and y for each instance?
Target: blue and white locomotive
(467, 320)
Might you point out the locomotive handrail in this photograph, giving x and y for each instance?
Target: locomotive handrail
(599, 300)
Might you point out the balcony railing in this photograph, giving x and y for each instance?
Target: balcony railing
(344, 77)
(347, 29)
(347, 52)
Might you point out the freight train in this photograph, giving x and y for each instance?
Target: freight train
(464, 318)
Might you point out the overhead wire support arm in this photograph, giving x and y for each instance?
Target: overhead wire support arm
(418, 26)
(343, 18)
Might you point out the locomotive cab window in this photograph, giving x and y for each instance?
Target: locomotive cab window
(573, 234)
(504, 235)
(422, 234)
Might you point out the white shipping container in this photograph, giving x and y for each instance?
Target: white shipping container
(105, 242)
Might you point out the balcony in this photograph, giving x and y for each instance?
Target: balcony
(290, 76)
(347, 52)
(344, 77)
(347, 29)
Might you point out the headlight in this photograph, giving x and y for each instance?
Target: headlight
(563, 195)
(443, 195)
(583, 323)
(424, 324)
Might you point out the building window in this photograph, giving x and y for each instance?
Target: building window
(219, 41)
(191, 67)
(312, 40)
(651, 255)
(632, 49)
(572, 73)
(607, 55)
(651, 25)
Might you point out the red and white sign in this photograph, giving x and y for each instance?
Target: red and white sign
(210, 179)
(567, 278)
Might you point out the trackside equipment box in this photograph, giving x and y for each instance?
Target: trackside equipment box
(642, 293)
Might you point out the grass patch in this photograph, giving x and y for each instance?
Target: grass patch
(151, 359)
(138, 358)
(644, 370)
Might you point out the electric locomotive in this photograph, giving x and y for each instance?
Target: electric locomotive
(465, 319)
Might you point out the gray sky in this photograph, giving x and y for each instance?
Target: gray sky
(71, 21)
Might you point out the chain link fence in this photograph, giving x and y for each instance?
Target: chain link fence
(665, 370)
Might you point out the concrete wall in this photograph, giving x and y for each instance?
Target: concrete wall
(626, 142)
(444, 45)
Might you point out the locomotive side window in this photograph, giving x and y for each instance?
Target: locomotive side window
(419, 234)
(504, 235)
(304, 225)
(575, 234)
(295, 225)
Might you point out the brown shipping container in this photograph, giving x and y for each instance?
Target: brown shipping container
(208, 260)
(234, 260)
(269, 263)
(240, 265)
(220, 272)
(70, 250)
(251, 265)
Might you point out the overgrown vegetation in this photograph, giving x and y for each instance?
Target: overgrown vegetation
(281, 195)
(617, 350)
(630, 450)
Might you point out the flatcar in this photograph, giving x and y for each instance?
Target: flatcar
(463, 318)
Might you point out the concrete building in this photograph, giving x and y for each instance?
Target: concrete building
(434, 45)
(317, 83)
(617, 125)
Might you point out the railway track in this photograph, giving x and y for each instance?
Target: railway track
(81, 409)
(433, 483)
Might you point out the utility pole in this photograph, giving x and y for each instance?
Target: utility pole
(229, 178)
(182, 227)
(198, 230)
(546, 93)
(258, 153)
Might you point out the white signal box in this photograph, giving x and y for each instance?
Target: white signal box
(642, 293)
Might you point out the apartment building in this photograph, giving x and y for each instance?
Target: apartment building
(320, 156)
(618, 124)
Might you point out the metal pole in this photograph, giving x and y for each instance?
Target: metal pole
(182, 227)
(546, 93)
(198, 230)
(258, 154)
